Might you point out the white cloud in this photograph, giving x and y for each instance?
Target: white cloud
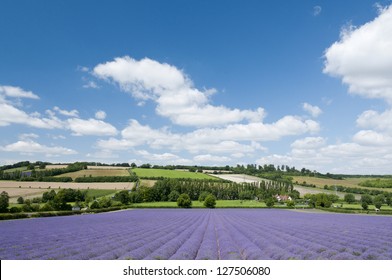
(221, 140)
(363, 57)
(308, 143)
(317, 10)
(31, 147)
(82, 68)
(100, 115)
(91, 84)
(95, 127)
(314, 111)
(10, 114)
(370, 153)
(286, 126)
(103, 154)
(372, 138)
(208, 158)
(72, 113)
(17, 92)
(27, 136)
(374, 120)
(174, 93)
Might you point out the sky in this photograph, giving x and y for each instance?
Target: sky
(195, 82)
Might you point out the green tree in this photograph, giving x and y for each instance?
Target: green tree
(122, 196)
(364, 205)
(173, 195)
(367, 199)
(20, 200)
(379, 200)
(349, 198)
(4, 202)
(210, 201)
(203, 196)
(184, 201)
(48, 196)
(388, 199)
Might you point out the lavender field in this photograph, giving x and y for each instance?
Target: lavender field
(199, 234)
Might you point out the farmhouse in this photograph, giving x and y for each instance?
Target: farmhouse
(283, 198)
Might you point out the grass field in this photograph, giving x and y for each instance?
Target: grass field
(23, 168)
(147, 172)
(96, 173)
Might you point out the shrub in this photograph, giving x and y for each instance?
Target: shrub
(210, 201)
(135, 197)
(36, 200)
(15, 209)
(105, 202)
(47, 207)
(245, 195)
(95, 205)
(270, 202)
(290, 203)
(364, 205)
(184, 201)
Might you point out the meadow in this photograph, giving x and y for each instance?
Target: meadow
(177, 234)
(166, 173)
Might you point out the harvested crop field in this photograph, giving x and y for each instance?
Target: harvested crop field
(199, 234)
(239, 178)
(107, 167)
(34, 189)
(56, 166)
(60, 185)
(96, 173)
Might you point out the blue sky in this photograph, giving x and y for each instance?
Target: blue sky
(299, 83)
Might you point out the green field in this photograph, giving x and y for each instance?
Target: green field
(23, 168)
(156, 173)
(99, 193)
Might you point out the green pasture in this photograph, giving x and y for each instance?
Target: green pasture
(166, 173)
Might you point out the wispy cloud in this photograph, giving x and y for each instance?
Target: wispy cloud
(314, 111)
(17, 92)
(317, 10)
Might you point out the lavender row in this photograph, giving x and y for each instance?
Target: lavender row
(199, 234)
